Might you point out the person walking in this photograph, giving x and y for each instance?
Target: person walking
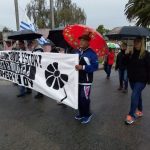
(88, 63)
(109, 61)
(23, 90)
(122, 69)
(37, 48)
(138, 67)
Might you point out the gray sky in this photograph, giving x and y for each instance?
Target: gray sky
(108, 12)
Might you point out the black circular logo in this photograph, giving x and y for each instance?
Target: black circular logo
(54, 78)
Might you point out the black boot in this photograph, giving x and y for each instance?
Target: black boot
(28, 91)
(39, 95)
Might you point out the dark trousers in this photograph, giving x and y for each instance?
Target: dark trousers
(107, 69)
(84, 100)
(136, 97)
(123, 78)
(22, 90)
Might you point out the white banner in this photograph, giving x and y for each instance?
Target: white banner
(51, 74)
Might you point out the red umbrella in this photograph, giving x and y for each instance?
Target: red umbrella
(73, 32)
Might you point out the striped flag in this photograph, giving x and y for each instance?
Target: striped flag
(28, 25)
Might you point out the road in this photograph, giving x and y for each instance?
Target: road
(30, 124)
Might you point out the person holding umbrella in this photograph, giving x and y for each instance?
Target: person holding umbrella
(138, 67)
(122, 69)
(87, 65)
(109, 60)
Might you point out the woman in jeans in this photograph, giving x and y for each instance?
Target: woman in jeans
(138, 67)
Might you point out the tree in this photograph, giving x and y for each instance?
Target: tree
(65, 12)
(36, 11)
(5, 29)
(138, 10)
(102, 30)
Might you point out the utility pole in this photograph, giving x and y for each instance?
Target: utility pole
(52, 14)
(17, 14)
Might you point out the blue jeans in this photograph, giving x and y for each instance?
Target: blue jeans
(123, 77)
(22, 90)
(84, 100)
(136, 97)
(107, 69)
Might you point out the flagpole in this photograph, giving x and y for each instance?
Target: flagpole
(52, 14)
(17, 14)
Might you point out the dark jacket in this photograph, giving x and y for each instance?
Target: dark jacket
(120, 61)
(138, 69)
(89, 60)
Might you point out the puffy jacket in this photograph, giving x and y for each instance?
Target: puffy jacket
(138, 69)
(111, 58)
(120, 62)
(89, 60)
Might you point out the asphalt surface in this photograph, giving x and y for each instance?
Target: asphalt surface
(30, 124)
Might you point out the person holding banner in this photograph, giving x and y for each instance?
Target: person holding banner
(87, 65)
(37, 48)
(22, 89)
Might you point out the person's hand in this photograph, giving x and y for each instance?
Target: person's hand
(79, 67)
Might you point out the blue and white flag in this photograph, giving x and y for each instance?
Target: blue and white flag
(26, 24)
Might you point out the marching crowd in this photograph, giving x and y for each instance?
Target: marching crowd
(133, 67)
(132, 64)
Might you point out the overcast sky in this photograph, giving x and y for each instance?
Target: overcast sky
(110, 13)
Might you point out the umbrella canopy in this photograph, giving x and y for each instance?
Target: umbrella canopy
(113, 45)
(73, 32)
(127, 32)
(24, 35)
(56, 36)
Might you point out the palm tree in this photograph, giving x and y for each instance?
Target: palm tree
(138, 10)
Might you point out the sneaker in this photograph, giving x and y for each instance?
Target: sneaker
(78, 117)
(86, 120)
(107, 78)
(129, 120)
(139, 114)
(29, 92)
(120, 88)
(38, 96)
(125, 91)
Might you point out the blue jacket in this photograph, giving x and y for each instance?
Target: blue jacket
(89, 60)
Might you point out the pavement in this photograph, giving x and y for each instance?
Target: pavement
(30, 124)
